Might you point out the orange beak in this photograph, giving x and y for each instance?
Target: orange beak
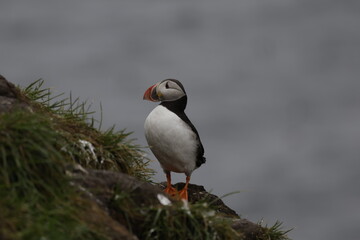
(150, 95)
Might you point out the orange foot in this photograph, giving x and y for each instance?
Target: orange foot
(183, 194)
(170, 190)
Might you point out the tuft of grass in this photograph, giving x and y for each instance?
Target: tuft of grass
(85, 143)
(68, 108)
(274, 232)
(128, 157)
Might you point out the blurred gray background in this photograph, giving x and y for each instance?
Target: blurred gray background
(273, 88)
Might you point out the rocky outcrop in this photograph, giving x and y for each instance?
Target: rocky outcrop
(10, 98)
(99, 185)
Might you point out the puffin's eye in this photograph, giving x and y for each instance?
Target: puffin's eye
(167, 85)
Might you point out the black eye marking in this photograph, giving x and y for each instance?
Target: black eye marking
(167, 85)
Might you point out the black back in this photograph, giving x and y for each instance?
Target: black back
(178, 108)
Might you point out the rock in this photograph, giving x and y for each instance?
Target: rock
(102, 184)
(99, 186)
(197, 193)
(10, 98)
(248, 229)
(7, 89)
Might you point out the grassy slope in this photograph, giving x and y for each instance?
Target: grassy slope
(37, 201)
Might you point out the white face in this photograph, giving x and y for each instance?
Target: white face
(168, 90)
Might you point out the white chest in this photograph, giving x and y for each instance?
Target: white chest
(171, 140)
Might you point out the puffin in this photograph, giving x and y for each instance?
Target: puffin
(170, 135)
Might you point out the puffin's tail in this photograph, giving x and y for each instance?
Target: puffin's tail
(200, 161)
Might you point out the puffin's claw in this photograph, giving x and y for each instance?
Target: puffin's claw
(183, 194)
(171, 191)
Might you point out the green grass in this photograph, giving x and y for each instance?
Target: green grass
(37, 201)
(30, 159)
(74, 119)
(36, 197)
(68, 108)
(274, 232)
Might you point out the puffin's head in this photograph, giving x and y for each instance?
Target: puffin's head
(164, 91)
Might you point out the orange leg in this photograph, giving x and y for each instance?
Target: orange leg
(184, 193)
(169, 189)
